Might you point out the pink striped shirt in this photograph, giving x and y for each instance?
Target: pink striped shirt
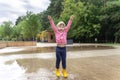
(61, 37)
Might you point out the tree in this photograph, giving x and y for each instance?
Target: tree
(6, 28)
(30, 26)
(43, 19)
(17, 33)
(86, 23)
(54, 9)
(1, 32)
(110, 22)
(19, 19)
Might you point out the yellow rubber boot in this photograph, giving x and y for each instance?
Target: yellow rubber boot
(64, 72)
(57, 72)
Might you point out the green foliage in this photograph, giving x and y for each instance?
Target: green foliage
(93, 19)
(16, 34)
(30, 26)
(86, 22)
(110, 21)
(1, 31)
(6, 30)
(54, 9)
(43, 19)
(19, 19)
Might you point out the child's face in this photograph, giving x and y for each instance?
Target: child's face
(61, 27)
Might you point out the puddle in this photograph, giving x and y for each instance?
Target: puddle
(11, 49)
(31, 50)
(45, 74)
(38, 63)
(19, 70)
(69, 48)
(12, 71)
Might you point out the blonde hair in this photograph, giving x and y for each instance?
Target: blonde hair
(61, 22)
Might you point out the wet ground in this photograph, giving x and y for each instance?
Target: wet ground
(91, 64)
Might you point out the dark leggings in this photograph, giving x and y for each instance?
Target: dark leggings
(61, 55)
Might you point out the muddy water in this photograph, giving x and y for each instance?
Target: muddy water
(30, 50)
(70, 48)
(33, 69)
(81, 65)
(90, 68)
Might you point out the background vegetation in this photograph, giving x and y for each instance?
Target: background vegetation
(98, 19)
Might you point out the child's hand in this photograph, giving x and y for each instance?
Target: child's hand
(49, 17)
(72, 17)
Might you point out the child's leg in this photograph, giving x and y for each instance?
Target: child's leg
(64, 58)
(58, 57)
(64, 72)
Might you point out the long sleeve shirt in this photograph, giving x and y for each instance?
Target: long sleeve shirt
(61, 37)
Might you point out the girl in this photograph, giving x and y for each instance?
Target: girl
(61, 35)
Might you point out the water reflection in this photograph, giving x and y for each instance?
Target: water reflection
(69, 48)
(40, 64)
(11, 71)
(31, 50)
(30, 69)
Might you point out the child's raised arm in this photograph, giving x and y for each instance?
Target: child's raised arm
(69, 23)
(52, 23)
